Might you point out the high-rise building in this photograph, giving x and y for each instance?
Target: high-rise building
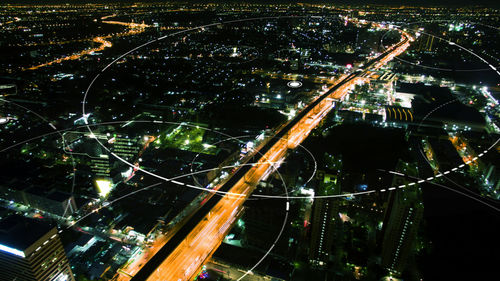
(324, 221)
(403, 216)
(125, 147)
(31, 250)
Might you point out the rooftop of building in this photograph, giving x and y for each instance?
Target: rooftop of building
(19, 233)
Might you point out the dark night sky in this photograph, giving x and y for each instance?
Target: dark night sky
(452, 3)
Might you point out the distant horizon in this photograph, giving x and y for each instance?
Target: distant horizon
(411, 3)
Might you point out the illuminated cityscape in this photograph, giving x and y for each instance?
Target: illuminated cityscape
(228, 140)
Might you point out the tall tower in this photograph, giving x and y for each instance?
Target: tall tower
(31, 251)
(402, 219)
(324, 222)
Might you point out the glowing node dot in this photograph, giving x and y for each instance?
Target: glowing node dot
(294, 84)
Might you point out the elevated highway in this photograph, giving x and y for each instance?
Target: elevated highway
(184, 253)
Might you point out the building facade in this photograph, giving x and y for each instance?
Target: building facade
(31, 251)
(325, 221)
(402, 219)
